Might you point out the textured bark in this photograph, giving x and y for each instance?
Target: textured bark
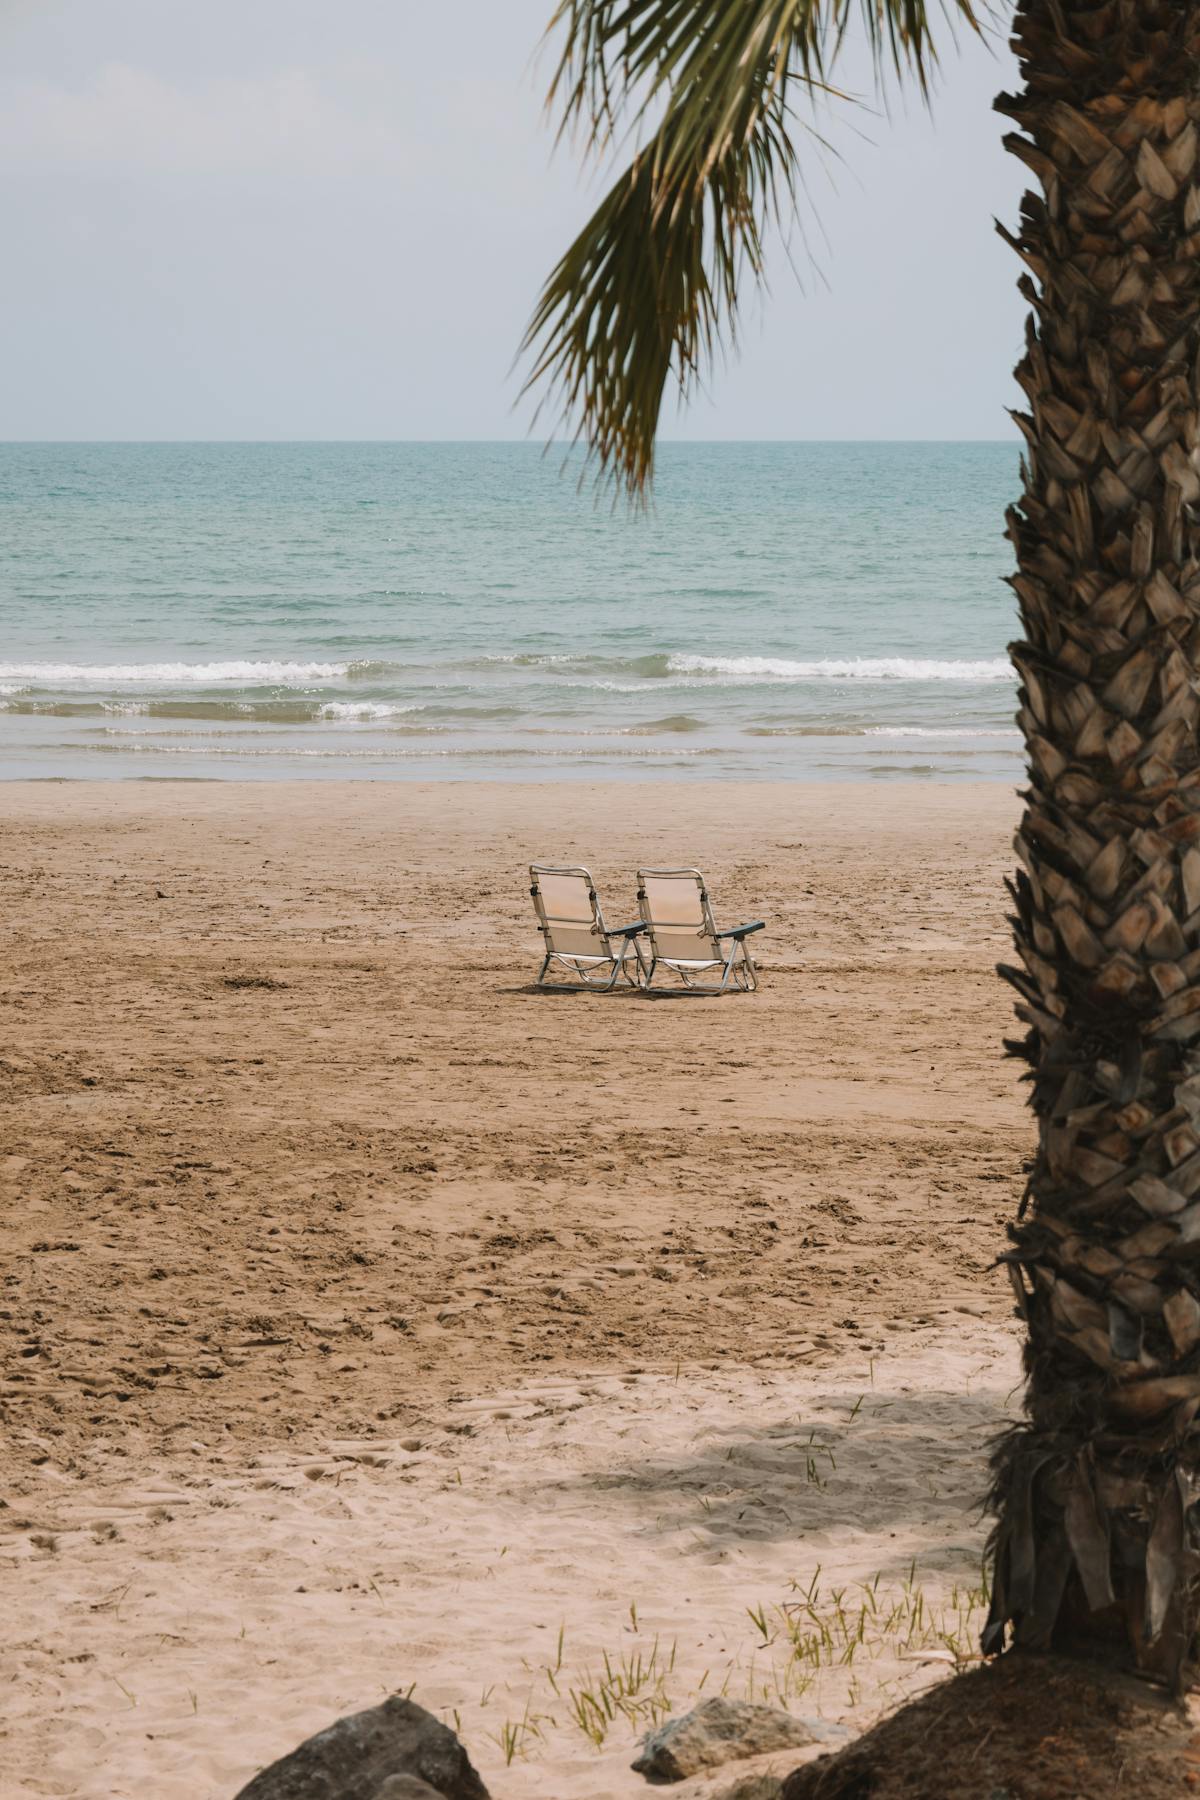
(1097, 1535)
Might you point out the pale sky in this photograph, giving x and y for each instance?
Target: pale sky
(302, 219)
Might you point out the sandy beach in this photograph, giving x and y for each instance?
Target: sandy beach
(372, 1321)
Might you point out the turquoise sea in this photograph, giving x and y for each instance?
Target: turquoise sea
(417, 610)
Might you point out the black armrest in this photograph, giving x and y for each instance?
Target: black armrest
(627, 930)
(740, 931)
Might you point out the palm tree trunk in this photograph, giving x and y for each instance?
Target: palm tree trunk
(1098, 1528)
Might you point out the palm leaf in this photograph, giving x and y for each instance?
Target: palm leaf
(651, 285)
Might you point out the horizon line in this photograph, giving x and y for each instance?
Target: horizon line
(566, 444)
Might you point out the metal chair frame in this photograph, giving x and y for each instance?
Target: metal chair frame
(617, 941)
(736, 964)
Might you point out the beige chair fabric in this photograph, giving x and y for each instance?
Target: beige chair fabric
(578, 944)
(682, 936)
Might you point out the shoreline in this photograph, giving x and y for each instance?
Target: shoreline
(668, 780)
(929, 777)
(685, 774)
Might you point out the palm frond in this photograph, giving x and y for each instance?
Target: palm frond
(651, 285)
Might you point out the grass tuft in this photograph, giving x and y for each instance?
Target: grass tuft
(633, 1687)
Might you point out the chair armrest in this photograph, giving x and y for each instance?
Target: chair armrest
(741, 931)
(627, 931)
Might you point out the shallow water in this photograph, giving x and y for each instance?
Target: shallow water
(392, 610)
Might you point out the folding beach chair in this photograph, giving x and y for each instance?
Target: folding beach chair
(574, 933)
(682, 935)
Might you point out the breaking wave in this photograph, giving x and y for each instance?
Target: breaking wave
(270, 673)
(846, 668)
(663, 665)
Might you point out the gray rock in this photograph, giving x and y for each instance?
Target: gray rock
(715, 1732)
(367, 1752)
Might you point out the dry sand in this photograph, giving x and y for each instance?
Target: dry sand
(368, 1317)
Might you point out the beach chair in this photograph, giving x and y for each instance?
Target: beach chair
(574, 933)
(682, 935)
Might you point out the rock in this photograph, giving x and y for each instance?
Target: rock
(750, 1778)
(366, 1755)
(754, 1787)
(715, 1732)
(755, 1777)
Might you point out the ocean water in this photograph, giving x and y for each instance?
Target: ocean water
(418, 610)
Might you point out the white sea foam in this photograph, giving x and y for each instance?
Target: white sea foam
(845, 668)
(941, 731)
(674, 666)
(174, 674)
(361, 709)
(274, 672)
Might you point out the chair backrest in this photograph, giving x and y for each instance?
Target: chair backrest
(568, 910)
(674, 904)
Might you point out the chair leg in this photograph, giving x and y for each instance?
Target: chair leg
(583, 981)
(617, 971)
